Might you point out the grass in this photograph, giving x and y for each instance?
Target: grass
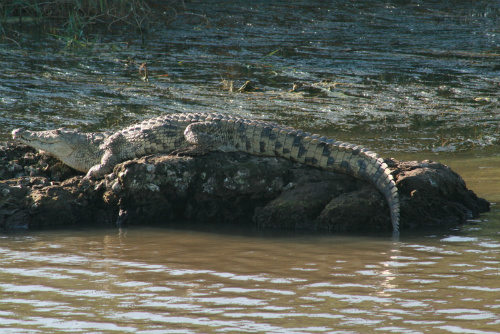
(72, 20)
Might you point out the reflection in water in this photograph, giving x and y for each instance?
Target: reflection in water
(157, 279)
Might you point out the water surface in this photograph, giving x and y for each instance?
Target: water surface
(177, 281)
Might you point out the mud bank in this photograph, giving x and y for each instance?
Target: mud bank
(37, 190)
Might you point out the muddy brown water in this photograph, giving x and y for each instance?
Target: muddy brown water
(412, 80)
(158, 280)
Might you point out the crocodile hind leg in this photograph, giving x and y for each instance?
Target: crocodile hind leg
(210, 136)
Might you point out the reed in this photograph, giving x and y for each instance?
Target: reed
(73, 19)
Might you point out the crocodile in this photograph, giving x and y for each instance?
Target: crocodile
(97, 153)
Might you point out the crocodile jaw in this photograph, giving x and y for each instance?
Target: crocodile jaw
(60, 143)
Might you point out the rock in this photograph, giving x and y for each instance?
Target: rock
(219, 187)
(432, 194)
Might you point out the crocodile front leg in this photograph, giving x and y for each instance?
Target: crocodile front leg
(114, 151)
(108, 162)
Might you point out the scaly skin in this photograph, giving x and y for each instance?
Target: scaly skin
(98, 153)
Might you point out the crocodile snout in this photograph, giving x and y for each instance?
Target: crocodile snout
(17, 133)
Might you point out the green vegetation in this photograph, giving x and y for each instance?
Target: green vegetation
(72, 20)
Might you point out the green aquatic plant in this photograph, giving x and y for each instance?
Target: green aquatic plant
(73, 20)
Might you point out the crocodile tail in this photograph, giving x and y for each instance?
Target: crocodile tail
(341, 157)
(269, 139)
(364, 164)
(375, 170)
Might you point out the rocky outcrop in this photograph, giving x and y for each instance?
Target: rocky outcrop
(235, 188)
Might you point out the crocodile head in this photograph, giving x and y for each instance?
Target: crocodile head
(77, 150)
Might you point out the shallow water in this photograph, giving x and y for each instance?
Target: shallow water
(412, 80)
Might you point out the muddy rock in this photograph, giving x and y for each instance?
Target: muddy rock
(37, 190)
